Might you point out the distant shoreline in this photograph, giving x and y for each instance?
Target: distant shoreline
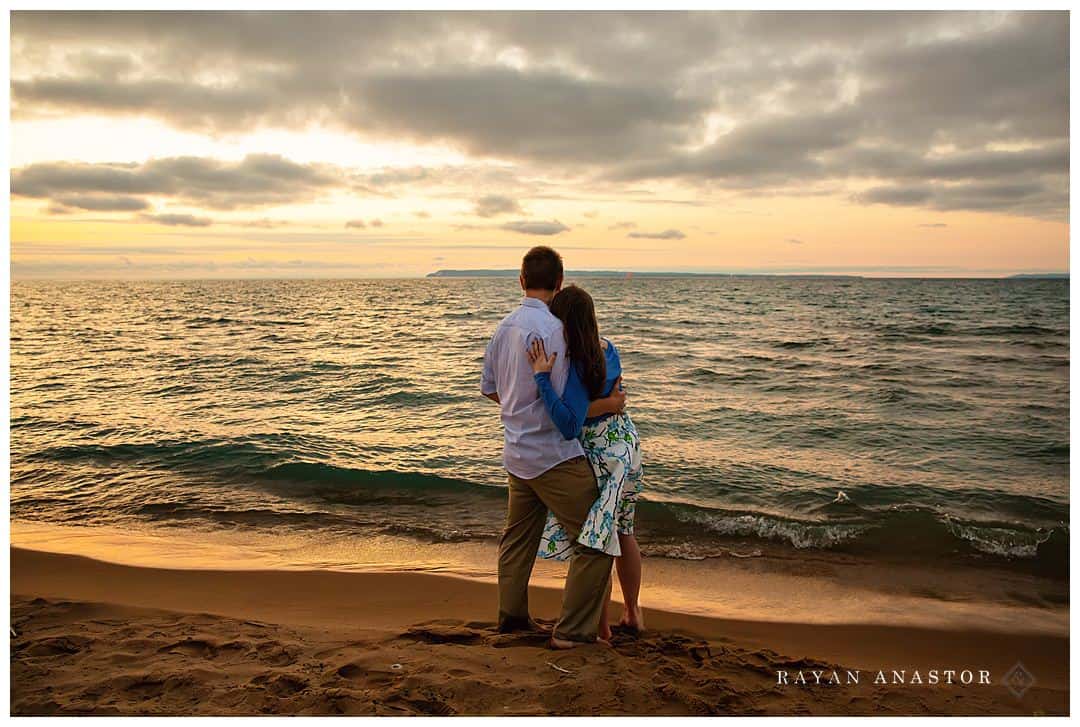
(628, 274)
(508, 273)
(473, 274)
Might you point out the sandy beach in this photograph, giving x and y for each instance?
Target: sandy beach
(100, 638)
(336, 337)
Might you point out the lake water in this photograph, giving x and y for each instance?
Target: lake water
(885, 418)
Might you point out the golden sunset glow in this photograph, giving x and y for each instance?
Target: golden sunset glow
(154, 146)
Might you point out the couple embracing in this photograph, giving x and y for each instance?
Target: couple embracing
(571, 454)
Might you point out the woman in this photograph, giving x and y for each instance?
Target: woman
(610, 442)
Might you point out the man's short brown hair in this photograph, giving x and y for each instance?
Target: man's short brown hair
(542, 269)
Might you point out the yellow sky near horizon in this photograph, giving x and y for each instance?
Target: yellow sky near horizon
(849, 239)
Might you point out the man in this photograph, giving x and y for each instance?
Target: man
(545, 471)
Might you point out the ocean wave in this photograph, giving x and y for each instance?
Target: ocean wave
(900, 531)
(1014, 330)
(307, 495)
(336, 476)
(204, 321)
(939, 328)
(867, 520)
(1005, 542)
(706, 375)
(797, 534)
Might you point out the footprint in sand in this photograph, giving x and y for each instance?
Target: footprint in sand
(191, 647)
(455, 634)
(58, 646)
(350, 671)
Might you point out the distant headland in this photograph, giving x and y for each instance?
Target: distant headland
(624, 274)
(513, 273)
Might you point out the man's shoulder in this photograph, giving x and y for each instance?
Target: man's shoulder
(544, 318)
(532, 320)
(510, 320)
(550, 323)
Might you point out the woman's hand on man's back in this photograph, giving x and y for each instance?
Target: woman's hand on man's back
(541, 362)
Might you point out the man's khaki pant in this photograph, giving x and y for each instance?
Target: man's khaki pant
(568, 490)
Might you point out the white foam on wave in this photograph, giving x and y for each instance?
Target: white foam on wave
(798, 535)
(1000, 541)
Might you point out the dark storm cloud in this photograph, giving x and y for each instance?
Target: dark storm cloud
(492, 205)
(665, 235)
(945, 108)
(255, 181)
(535, 227)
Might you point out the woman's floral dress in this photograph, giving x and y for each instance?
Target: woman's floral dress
(614, 451)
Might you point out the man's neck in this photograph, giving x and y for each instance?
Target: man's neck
(542, 295)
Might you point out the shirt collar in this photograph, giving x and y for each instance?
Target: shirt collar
(533, 302)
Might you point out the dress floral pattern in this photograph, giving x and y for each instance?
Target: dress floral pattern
(614, 452)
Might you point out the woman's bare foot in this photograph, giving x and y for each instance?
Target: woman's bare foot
(605, 632)
(633, 619)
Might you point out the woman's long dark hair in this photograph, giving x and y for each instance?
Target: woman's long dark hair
(574, 307)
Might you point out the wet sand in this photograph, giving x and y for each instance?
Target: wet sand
(100, 638)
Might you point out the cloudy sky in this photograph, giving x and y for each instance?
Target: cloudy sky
(383, 144)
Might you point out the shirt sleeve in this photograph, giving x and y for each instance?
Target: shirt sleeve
(614, 366)
(487, 376)
(567, 411)
(614, 354)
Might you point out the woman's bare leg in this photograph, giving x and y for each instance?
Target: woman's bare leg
(628, 566)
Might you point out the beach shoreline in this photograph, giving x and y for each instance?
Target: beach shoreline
(813, 587)
(97, 637)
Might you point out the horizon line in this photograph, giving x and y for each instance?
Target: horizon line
(1048, 275)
